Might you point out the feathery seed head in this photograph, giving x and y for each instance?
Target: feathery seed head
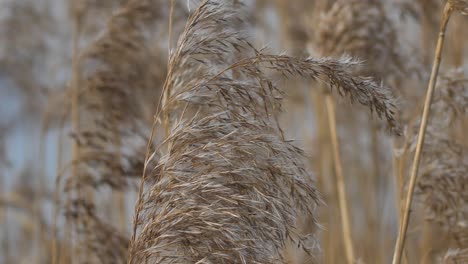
(443, 184)
(362, 29)
(227, 187)
(460, 5)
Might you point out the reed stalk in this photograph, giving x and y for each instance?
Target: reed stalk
(5, 224)
(340, 180)
(74, 105)
(422, 130)
(55, 245)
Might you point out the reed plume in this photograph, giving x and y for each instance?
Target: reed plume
(23, 31)
(454, 256)
(442, 186)
(459, 5)
(117, 74)
(99, 241)
(222, 181)
(227, 186)
(361, 29)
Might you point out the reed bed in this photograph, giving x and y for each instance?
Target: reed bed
(233, 131)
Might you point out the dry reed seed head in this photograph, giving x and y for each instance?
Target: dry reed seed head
(103, 243)
(454, 256)
(323, 5)
(460, 5)
(361, 29)
(461, 237)
(451, 99)
(339, 74)
(202, 49)
(25, 47)
(334, 73)
(91, 16)
(227, 193)
(229, 187)
(121, 72)
(443, 184)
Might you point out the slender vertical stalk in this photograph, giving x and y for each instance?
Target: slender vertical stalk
(422, 130)
(426, 32)
(75, 114)
(4, 223)
(74, 105)
(340, 181)
(426, 248)
(54, 245)
(322, 165)
(167, 91)
(38, 203)
(371, 198)
(119, 197)
(169, 41)
(4, 243)
(282, 7)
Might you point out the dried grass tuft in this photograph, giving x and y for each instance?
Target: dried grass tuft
(119, 74)
(362, 29)
(460, 5)
(443, 183)
(227, 187)
(454, 256)
(104, 244)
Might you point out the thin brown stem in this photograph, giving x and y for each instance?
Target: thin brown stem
(167, 89)
(139, 203)
(4, 223)
(54, 246)
(75, 91)
(37, 203)
(422, 130)
(340, 181)
(322, 165)
(169, 43)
